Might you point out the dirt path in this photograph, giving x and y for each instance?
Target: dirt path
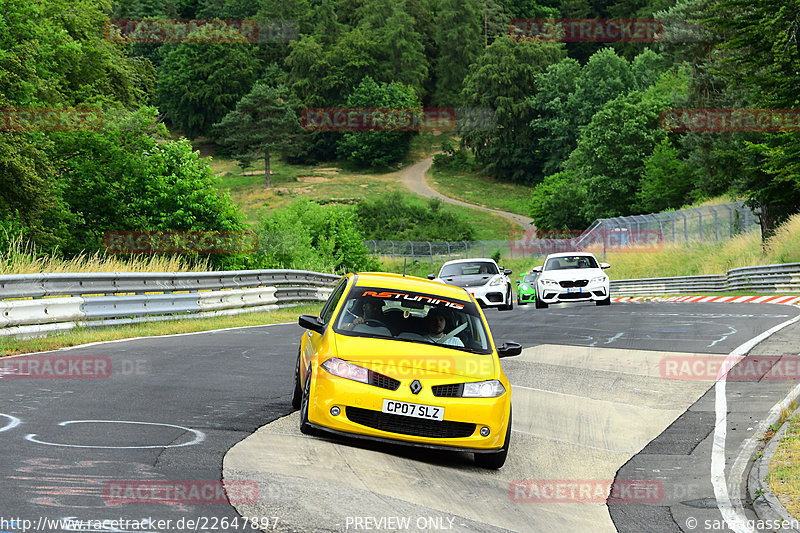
(414, 179)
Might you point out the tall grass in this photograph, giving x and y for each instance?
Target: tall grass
(698, 258)
(24, 258)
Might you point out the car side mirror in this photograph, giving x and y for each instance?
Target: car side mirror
(508, 271)
(431, 276)
(311, 322)
(537, 269)
(605, 265)
(508, 349)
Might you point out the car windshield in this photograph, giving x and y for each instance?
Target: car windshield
(570, 262)
(468, 269)
(530, 278)
(413, 317)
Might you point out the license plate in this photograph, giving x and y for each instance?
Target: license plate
(578, 289)
(415, 410)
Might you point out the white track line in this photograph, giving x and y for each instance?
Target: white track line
(733, 513)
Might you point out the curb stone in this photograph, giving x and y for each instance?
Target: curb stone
(767, 506)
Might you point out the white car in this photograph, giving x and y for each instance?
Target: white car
(572, 277)
(484, 280)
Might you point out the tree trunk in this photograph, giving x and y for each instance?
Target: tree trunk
(266, 171)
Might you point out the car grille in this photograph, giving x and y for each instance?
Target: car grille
(575, 296)
(448, 391)
(494, 297)
(384, 382)
(406, 425)
(574, 283)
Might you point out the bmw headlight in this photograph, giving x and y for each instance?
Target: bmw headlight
(549, 282)
(498, 280)
(346, 370)
(598, 279)
(483, 389)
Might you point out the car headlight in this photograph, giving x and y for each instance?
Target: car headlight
(483, 389)
(346, 370)
(496, 281)
(524, 287)
(598, 279)
(548, 282)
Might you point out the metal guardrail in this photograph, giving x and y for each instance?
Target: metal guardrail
(767, 278)
(35, 304)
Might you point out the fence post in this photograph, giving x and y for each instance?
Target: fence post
(700, 217)
(430, 248)
(412, 250)
(716, 224)
(466, 250)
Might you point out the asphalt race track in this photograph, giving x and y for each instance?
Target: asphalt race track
(591, 404)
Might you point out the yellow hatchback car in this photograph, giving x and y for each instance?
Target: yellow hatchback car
(405, 359)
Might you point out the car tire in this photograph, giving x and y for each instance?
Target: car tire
(509, 305)
(539, 303)
(297, 393)
(606, 301)
(495, 460)
(305, 427)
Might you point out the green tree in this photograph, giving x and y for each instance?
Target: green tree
(129, 176)
(615, 144)
(199, 83)
(554, 201)
(379, 148)
(264, 122)
(501, 81)
(667, 180)
(458, 38)
(765, 60)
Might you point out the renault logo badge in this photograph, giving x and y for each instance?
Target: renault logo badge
(416, 386)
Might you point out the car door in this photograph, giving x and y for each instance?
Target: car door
(312, 341)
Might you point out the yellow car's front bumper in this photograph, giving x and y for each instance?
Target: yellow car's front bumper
(360, 413)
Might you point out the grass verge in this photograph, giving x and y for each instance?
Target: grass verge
(784, 468)
(9, 346)
(476, 188)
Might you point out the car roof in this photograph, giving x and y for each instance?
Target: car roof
(473, 260)
(388, 280)
(570, 254)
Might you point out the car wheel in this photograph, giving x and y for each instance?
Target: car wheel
(495, 460)
(607, 301)
(539, 303)
(305, 427)
(297, 394)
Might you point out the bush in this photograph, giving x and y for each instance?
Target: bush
(309, 236)
(397, 217)
(452, 158)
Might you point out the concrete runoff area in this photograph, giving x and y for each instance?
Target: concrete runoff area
(580, 413)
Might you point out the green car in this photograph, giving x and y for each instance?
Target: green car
(526, 288)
